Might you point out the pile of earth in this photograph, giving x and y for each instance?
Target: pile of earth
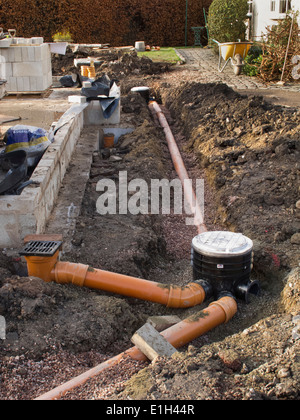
(64, 64)
(114, 62)
(132, 65)
(41, 316)
(251, 154)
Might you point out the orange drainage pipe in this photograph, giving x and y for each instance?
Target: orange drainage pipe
(178, 335)
(172, 296)
(180, 168)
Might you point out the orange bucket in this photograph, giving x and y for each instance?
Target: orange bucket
(91, 72)
(84, 71)
(109, 140)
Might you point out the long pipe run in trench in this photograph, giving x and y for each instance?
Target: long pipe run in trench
(179, 166)
(178, 335)
(49, 269)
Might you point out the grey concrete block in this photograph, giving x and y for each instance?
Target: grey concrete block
(31, 55)
(17, 54)
(76, 99)
(161, 323)
(27, 69)
(12, 84)
(37, 40)
(151, 343)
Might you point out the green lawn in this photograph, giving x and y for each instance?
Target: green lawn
(164, 54)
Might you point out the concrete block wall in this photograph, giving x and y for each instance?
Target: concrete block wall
(26, 67)
(29, 212)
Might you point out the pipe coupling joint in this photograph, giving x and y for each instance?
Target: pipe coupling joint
(183, 297)
(65, 273)
(228, 305)
(79, 275)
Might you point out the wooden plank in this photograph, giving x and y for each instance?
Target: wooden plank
(42, 93)
(39, 93)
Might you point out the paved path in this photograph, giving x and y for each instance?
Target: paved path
(207, 62)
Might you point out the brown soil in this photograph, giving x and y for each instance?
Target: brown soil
(247, 151)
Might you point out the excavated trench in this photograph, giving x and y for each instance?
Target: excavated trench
(227, 140)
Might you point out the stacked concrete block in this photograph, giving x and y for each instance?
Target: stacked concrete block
(26, 66)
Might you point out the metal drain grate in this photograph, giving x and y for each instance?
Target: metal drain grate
(41, 248)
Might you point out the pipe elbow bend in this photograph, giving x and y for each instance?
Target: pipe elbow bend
(187, 296)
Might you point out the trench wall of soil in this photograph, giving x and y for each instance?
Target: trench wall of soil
(250, 152)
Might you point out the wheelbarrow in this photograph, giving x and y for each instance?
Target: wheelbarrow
(233, 52)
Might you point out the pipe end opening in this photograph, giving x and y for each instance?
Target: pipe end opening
(245, 291)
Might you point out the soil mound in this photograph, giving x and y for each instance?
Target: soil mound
(250, 151)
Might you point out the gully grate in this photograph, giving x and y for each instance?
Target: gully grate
(41, 248)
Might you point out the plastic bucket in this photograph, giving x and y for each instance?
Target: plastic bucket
(84, 71)
(91, 72)
(140, 46)
(109, 140)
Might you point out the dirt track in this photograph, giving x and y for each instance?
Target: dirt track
(248, 153)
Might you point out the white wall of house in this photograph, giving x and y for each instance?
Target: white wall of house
(266, 12)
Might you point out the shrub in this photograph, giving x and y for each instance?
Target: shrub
(117, 22)
(226, 20)
(275, 47)
(253, 61)
(62, 36)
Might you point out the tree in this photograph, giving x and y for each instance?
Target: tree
(226, 20)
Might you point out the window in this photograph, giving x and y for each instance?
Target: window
(273, 5)
(285, 6)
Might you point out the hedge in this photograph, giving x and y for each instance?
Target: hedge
(114, 22)
(226, 20)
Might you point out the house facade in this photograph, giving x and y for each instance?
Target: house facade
(264, 13)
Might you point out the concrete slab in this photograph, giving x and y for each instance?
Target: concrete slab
(86, 62)
(151, 343)
(161, 323)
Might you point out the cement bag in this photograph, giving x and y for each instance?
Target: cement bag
(33, 140)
